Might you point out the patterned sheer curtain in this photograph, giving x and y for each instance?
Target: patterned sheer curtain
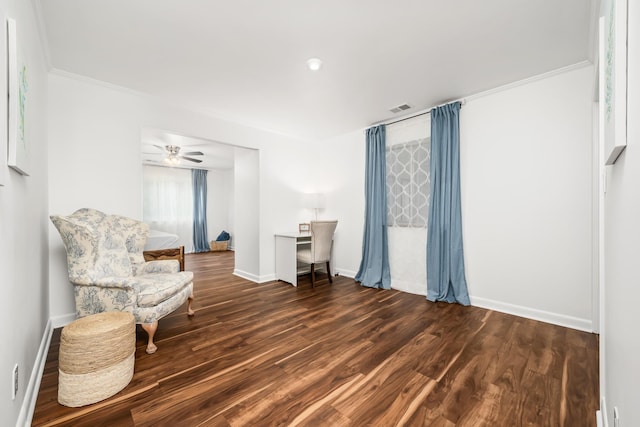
(408, 197)
(168, 202)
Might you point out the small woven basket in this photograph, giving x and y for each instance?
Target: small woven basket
(219, 245)
(96, 358)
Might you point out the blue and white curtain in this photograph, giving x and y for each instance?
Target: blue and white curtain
(199, 183)
(374, 268)
(445, 259)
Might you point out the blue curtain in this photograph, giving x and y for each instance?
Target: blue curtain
(374, 268)
(199, 184)
(445, 260)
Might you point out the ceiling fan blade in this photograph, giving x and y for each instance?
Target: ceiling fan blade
(191, 159)
(194, 153)
(159, 147)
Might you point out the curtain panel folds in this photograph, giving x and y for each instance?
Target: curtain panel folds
(374, 269)
(199, 183)
(445, 259)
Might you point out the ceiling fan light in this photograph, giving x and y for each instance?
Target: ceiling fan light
(172, 159)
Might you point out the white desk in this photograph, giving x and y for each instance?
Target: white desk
(287, 244)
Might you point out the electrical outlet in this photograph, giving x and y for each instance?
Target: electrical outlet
(616, 417)
(14, 382)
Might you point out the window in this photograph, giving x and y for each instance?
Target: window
(408, 183)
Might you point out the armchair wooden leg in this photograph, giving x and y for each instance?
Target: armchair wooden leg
(313, 275)
(329, 272)
(150, 329)
(190, 311)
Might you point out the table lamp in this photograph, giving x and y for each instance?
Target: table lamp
(313, 201)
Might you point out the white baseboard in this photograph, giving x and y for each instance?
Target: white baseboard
(245, 275)
(267, 278)
(346, 273)
(532, 313)
(601, 416)
(62, 320)
(31, 394)
(254, 278)
(271, 277)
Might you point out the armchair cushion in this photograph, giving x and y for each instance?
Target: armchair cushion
(156, 288)
(160, 266)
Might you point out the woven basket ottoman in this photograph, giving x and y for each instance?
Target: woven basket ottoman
(96, 358)
(218, 245)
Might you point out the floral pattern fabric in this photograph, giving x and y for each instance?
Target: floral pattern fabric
(107, 267)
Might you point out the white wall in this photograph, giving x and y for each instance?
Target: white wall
(89, 151)
(534, 220)
(526, 165)
(219, 198)
(526, 198)
(24, 306)
(292, 170)
(95, 161)
(246, 180)
(621, 342)
(342, 180)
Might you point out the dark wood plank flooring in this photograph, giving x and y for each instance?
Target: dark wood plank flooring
(340, 355)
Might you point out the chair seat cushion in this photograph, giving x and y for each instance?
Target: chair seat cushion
(156, 288)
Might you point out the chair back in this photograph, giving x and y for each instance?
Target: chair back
(135, 234)
(321, 239)
(100, 245)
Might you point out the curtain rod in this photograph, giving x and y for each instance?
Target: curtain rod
(462, 101)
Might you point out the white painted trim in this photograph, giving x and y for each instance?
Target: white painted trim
(171, 102)
(603, 412)
(474, 96)
(62, 320)
(249, 276)
(267, 278)
(31, 394)
(96, 82)
(534, 314)
(529, 80)
(601, 195)
(406, 286)
(346, 273)
(597, 216)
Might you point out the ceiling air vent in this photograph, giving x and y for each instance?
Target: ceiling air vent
(400, 108)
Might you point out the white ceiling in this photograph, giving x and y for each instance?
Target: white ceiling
(245, 60)
(215, 155)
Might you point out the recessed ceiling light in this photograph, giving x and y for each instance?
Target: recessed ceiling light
(314, 64)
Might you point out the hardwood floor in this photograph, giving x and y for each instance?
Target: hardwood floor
(340, 355)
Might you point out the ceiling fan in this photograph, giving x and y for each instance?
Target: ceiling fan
(173, 154)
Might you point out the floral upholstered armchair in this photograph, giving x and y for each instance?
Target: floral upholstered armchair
(109, 273)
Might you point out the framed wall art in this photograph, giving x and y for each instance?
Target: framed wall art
(18, 86)
(613, 77)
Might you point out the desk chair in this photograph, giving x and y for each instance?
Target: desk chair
(320, 249)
